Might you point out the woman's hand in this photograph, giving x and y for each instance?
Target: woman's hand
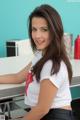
(15, 78)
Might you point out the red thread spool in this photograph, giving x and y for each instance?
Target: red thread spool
(77, 48)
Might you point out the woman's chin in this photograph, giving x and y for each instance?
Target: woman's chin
(38, 48)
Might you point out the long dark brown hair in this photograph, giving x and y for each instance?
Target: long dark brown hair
(56, 50)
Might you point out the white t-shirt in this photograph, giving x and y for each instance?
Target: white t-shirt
(60, 80)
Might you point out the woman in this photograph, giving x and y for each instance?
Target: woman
(50, 71)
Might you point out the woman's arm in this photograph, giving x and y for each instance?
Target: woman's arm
(46, 96)
(16, 77)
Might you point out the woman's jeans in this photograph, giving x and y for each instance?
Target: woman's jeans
(59, 114)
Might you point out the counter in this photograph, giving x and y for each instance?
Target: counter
(10, 65)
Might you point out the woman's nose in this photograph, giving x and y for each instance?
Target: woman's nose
(38, 34)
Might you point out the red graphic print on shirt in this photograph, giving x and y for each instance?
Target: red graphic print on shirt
(29, 79)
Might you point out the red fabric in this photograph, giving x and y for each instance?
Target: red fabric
(29, 79)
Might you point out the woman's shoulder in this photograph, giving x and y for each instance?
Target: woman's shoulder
(47, 65)
(63, 68)
(48, 62)
(63, 65)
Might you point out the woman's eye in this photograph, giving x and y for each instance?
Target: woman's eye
(44, 29)
(33, 29)
(41, 29)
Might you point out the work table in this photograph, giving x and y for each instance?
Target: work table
(10, 65)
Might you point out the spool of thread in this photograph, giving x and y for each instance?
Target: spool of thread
(77, 48)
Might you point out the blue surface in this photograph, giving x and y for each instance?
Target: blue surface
(14, 14)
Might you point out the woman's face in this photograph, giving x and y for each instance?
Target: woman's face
(40, 33)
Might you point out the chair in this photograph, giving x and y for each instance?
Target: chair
(75, 104)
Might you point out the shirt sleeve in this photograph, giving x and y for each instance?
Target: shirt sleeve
(56, 79)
